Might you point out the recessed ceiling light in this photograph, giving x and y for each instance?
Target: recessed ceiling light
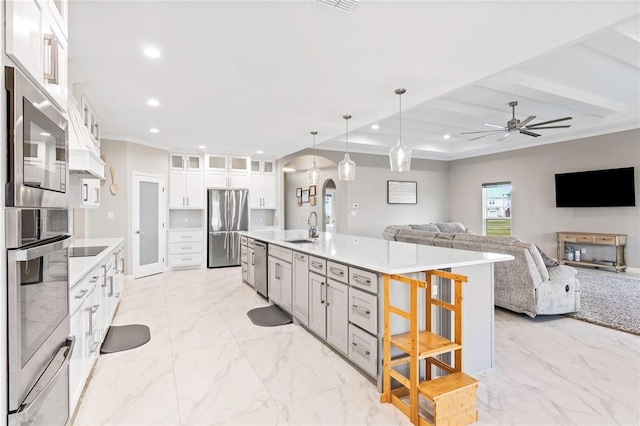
(259, 151)
(375, 127)
(154, 130)
(446, 136)
(151, 52)
(45, 134)
(201, 147)
(153, 102)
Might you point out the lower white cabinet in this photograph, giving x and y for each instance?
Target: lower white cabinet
(317, 306)
(338, 315)
(363, 350)
(251, 266)
(280, 283)
(301, 287)
(186, 248)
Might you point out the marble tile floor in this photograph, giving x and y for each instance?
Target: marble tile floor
(207, 364)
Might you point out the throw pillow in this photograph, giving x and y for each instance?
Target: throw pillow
(451, 227)
(548, 261)
(427, 227)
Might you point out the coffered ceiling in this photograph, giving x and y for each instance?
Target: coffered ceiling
(238, 77)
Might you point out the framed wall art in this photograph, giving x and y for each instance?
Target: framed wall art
(298, 192)
(312, 190)
(402, 192)
(305, 196)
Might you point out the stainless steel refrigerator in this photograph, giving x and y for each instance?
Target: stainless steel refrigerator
(227, 213)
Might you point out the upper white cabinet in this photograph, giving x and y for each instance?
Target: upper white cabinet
(186, 188)
(84, 192)
(60, 12)
(90, 119)
(37, 43)
(262, 191)
(226, 172)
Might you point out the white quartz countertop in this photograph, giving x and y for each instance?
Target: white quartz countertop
(81, 266)
(388, 257)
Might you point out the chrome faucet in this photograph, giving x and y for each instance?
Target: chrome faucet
(313, 229)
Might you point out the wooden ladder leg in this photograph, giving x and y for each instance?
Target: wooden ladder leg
(458, 326)
(386, 362)
(414, 370)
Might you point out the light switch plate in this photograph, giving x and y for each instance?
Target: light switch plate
(109, 215)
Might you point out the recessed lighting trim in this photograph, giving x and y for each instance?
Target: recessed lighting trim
(375, 127)
(151, 52)
(45, 134)
(154, 130)
(259, 151)
(201, 147)
(446, 136)
(153, 102)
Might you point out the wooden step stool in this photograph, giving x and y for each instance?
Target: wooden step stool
(453, 397)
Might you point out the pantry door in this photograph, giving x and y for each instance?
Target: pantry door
(148, 224)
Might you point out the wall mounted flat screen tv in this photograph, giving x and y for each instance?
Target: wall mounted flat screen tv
(596, 188)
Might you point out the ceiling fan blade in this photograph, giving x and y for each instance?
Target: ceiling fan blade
(504, 137)
(528, 133)
(481, 131)
(547, 127)
(528, 119)
(551, 121)
(495, 125)
(484, 136)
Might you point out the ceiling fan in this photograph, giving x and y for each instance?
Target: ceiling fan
(515, 125)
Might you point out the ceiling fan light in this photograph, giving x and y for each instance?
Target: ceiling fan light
(400, 157)
(347, 168)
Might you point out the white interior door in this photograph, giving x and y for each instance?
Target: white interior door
(148, 224)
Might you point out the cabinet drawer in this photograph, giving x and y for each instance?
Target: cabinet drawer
(605, 240)
(281, 253)
(193, 259)
(567, 237)
(363, 350)
(251, 242)
(363, 310)
(243, 240)
(584, 238)
(364, 280)
(243, 254)
(338, 272)
(185, 236)
(317, 265)
(186, 248)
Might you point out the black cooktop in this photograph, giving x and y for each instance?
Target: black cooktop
(86, 251)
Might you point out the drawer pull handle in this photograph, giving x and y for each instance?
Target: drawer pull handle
(81, 294)
(187, 236)
(316, 264)
(187, 248)
(336, 271)
(94, 279)
(366, 312)
(362, 351)
(362, 280)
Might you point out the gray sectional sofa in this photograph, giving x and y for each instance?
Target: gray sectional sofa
(524, 284)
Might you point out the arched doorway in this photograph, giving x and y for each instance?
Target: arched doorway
(329, 201)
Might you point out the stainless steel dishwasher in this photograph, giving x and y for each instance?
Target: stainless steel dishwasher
(260, 277)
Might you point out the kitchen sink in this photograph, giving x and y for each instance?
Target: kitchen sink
(301, 241)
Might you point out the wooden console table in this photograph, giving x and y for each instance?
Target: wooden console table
(617, 240)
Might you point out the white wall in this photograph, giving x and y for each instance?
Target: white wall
(369, 191)
(531, 172)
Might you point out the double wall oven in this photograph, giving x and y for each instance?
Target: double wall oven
(37, 239)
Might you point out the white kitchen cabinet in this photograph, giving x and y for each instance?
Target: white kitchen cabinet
(317, 306)
(262, 191)
(338, 315)
(186, 190)
(301, 287)
(84, 192)
(251, 266)
(76, 364)
(60, 11)
(186, 248)
(227, 172)
(185, 162)
(36, 42)
(90, 119)
(280, 283)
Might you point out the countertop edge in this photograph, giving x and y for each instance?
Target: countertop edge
(77, 276)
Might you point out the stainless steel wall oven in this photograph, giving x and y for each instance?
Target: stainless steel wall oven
(38, 146)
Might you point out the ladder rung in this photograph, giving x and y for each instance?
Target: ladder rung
(400, 361)
(399, 377)
(400, 312)
(437, 388)
(441, 365)
(448, 275)
(429, 344)
(443, 304)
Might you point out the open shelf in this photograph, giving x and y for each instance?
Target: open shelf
(430, 344)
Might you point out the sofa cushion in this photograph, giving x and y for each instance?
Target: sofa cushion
(548, 261)
(451, 227)
(416, 237)
(389, 232)
(431, 227)
(535, 256)
(486, 239)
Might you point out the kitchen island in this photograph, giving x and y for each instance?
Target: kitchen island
(332, 286)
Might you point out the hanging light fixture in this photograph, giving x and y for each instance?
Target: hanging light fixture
(400, 155)
(347, 168)
(314, 174)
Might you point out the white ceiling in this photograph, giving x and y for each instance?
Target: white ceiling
(244, 76)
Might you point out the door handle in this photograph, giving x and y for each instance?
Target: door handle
(51, 75)
(139, 232)
(321, 288)
(85, 188)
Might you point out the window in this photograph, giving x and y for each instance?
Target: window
(496, 209)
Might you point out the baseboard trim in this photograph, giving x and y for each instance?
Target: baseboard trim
(633, 270)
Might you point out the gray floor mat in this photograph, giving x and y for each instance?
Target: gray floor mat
(125, 337)
(269, 316)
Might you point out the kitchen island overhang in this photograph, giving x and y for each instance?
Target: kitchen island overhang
(383, 257)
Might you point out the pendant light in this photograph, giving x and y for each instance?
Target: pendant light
(314, 174)
(400, 155)
(347, 168)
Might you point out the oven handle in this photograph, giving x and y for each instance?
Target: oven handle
(22, 415)
(41, 250)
